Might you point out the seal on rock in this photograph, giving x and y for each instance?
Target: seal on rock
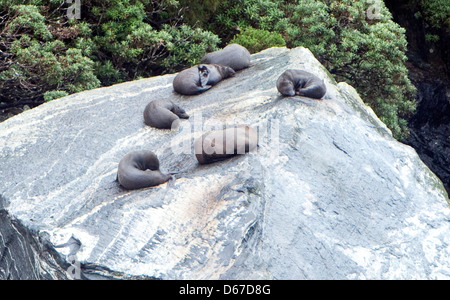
(222, 144)
(140, 169)
(301, 83)
(234, 56)
(200, 78)
(162, 113)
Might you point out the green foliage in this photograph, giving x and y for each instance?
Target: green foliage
(256, 40)
(187, 46)
(197, 13)
(310, 25)
(134, 47)
(28, 19)
(48, 96)
(437, 12)
(35, 62)
(44, 54)
(234, 15)
(432, 38)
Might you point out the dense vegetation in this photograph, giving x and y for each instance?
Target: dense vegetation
(435, 12)
(45, 55)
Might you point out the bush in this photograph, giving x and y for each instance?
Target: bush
(233, 15)
(187, 46)
(115, 40)
(137, 39)
(256, 40)
(34, 62)
(437, 13)
(48, 96)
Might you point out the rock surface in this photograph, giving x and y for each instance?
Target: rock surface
(329, 194)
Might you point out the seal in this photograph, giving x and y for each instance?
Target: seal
(140, 169)
(222, 144)
(234, 56)
(201, 78)
(301, 83)
(163, 113)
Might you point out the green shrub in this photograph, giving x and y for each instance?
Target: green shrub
(36, 62)
(186, 46)
(50, 95)
(256, 40)
(234, 15)
(133, 47)
(115, 40)
(437, 13)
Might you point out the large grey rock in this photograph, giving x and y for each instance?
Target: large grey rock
(25, 255)
(328, 195)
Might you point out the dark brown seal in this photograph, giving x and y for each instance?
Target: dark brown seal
(221, 144)
(234, 56)
(301, 83)
(200, 78)
(140, 169)
(164, 114)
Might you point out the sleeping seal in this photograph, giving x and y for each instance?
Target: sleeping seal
(234, 56)
(301, 83)
(162, 113)
(140, 169)
(200, 78)
(221, 144)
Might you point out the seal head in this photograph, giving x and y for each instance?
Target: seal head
(163, 114)
(301, 83)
